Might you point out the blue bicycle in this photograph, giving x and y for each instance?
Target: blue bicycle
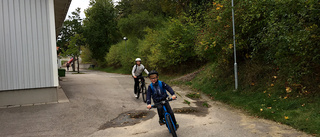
(167, 118)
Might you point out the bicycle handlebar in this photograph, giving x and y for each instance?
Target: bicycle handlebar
(162, 102)
(141, 76)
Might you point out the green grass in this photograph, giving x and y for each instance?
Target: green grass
(205, 104)
(301, 115)
(63, 61)
(194, 95)
(298, 111)
(162, 77)
(186, 102)
(113, 70)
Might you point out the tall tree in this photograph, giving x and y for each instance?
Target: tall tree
(74, 47)
(166, 8)
(71, 26)
(100, 28)
(135, 24)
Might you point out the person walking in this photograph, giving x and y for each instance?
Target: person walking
(68, 65)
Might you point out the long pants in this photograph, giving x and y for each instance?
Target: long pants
(136, 83)
(169, 110)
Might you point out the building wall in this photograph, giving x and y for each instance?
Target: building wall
(28, 57)
(28, 96)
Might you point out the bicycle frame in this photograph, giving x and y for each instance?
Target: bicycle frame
(141, 82)
(166, 113)
(165, 117)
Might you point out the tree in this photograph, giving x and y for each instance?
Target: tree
(135, 25)
(100, 28)
(74, 47)
(166, 8)
(70, 28)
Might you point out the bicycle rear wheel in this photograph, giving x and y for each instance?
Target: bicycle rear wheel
(171, 127)
(144, 94)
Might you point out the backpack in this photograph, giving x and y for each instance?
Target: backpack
(161, 87)
(136, 68)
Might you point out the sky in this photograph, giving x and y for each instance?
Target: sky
(83, 4)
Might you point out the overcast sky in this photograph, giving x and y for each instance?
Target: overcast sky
(83, 4)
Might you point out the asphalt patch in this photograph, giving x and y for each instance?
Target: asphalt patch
(200, 110)
(128, 119)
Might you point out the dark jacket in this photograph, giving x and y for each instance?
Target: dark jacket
(158, 95)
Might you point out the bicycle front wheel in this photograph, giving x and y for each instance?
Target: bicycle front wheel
(144, 94)
(171, 126)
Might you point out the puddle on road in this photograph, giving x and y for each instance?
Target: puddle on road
(129, 118)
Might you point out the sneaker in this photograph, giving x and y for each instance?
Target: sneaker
(135, 95)
(161, 122)
(177, 126)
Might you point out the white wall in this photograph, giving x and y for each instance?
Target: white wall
(27, 44)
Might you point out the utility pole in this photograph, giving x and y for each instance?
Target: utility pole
(234, 50)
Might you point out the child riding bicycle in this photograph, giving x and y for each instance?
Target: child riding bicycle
(137, 74)
(157, 90)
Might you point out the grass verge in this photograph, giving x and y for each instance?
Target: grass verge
(112, 70)
(269, 101)
(194, 95)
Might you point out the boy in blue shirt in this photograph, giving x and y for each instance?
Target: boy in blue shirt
(159, 94)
